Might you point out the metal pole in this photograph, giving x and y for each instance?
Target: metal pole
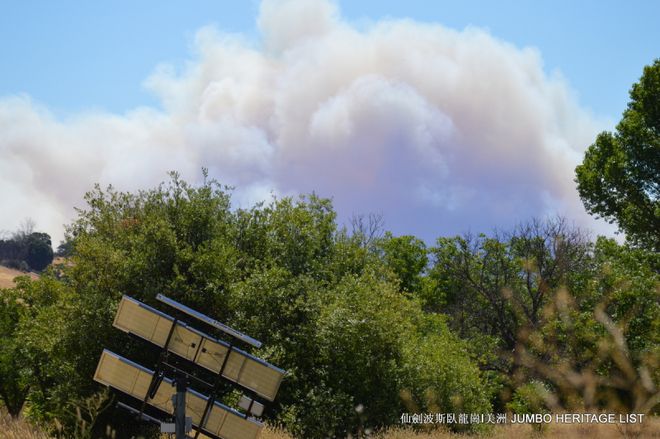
(158, 373)
(180, 406)
(214, 392)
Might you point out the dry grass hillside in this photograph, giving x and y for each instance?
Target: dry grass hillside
(7, 276)
(17, 429)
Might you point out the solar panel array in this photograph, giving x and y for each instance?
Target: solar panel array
(209, 321)
(217, 356)
(244, 369)
(131, 378)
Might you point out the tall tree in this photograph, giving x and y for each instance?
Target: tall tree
(39, 250)
(619, 178)
(326, 307)
(406, 257)
(497, 285)
(13, 386)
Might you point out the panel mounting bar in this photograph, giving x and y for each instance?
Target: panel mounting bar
(138, 413)
(208, 320)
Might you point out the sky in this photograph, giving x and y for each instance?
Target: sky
(444, 117)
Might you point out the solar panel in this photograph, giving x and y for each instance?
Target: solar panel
(208, 320)
(242, 368)
(142, 320)
(251, 406)
(122, 374)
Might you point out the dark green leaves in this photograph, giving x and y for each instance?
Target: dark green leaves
(619, 178)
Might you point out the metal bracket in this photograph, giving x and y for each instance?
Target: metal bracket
(159, 374)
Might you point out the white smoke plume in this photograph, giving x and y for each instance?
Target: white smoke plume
(439, 130)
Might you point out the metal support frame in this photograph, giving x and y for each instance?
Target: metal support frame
(214, 392)
(237, 335)
(249, 409)
(157, 421)
(136, 412)
(159, 374)
(180, 406)
(176, 370)
(182, 378)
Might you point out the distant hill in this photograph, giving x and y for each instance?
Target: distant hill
(7, 276)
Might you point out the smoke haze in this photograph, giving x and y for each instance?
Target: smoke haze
(441, 131)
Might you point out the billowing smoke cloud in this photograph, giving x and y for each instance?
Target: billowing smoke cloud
(441, 131)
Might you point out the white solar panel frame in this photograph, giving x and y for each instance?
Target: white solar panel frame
(244, 369)
(208, 320)
(133, 379)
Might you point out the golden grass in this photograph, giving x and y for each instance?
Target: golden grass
(18, 429)
(650, 428)
(59, 260)
(7, 276)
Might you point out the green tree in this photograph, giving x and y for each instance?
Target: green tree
(39, 251)
(34, 318)
(406, 256)
(627, 284)
(379, 356)
(325, 305)
(600, 350)
(496, 285)
(619, 178)
(495, 288)
(65, 249)
(13, 385)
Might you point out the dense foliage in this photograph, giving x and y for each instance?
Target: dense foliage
(328, 309)
(26, 251)
(368, 325)
(619, 178)
(366, 328)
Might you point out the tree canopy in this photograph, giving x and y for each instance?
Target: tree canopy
(368, 325)
(328, 308)
(27, 250)
(619, 178)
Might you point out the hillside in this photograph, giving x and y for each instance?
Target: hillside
(7, 276)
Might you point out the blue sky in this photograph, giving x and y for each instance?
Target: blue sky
(73, 55)
(445, 117)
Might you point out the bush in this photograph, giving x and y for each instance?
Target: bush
(15, 264)
(327, 309)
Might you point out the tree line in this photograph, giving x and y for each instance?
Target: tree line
(368, 325)
(26, 249)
